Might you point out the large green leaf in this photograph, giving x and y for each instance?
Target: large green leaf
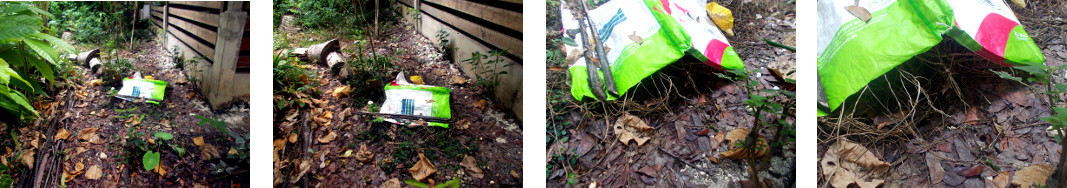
(32, 21)
(6, 73)
(58, 43)
(45, 68)
(43, 49)
(15, 97)
(33, 86)
(150, 160)
(15, 31)
(39, 11)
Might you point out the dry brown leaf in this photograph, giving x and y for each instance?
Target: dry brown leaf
(972, 116)
(1031, 175)
(208, 152)
(159, 169)
(457, 80)
(1002, 180)
(341, 91)
(364, 155)
(422, 169)
(392, 183)
(574, 55)
(133, 121)
(635, 122)
(627, 128)
(97, 140)
(937, 173)
(328, 138)
(737, 151)
(859, 12)
(79, 150)
(199, 141)
(418, 123)
(472, 167)
(293, 137)
(480, 104)
(95, 83)
(79, 167)
(27, 158)
(62, 134)
(463, 124)
(303, 169)
(846, 163)
(87, 133)
(94, 172)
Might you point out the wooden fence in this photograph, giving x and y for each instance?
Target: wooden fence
(476, 26)
(215, 34)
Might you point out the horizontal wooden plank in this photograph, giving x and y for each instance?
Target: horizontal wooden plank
(207, 51)
(246, 44)
(409, 3)
(156, 8)
(157, 23)
(202, 17)
(201, 32)
(205, 4)
(243, 62)
(506, 18)
(158, 14)
(513, 1)
(500, 40)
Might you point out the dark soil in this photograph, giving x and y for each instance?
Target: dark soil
(991, 123)
(681, 102)
(493, 138)
(81, 106)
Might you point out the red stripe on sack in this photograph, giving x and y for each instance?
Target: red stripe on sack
(714, 52)
(667, 6)
(993, 35)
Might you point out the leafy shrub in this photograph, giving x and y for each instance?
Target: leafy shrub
(104, 23)
(25, 54)
(113, 72)
(330, 13)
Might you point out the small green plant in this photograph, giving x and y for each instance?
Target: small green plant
(1041, 75)
(444, 44)
(151, 158)
(487, 67)
(762, 102)
(113, 72)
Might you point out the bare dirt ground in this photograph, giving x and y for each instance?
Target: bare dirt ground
(689, 107)
(116, 129)
(987, 129)
(482, 130)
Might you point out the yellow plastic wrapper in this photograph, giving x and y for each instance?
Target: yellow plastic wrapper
(722, 17)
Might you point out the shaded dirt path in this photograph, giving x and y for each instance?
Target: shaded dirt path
(491, 137)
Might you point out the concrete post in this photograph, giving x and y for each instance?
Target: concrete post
(227, 50)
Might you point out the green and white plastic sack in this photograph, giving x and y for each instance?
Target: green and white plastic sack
(134, 89)
(642, 37)
(853, 53)
(403, 97)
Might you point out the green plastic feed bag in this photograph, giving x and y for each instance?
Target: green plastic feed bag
(642, 37)
(405, 98)
(134, 89)
(853, 52)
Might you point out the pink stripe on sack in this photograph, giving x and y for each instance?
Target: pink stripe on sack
(714, 52)
(666, 6)
(993, 36)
